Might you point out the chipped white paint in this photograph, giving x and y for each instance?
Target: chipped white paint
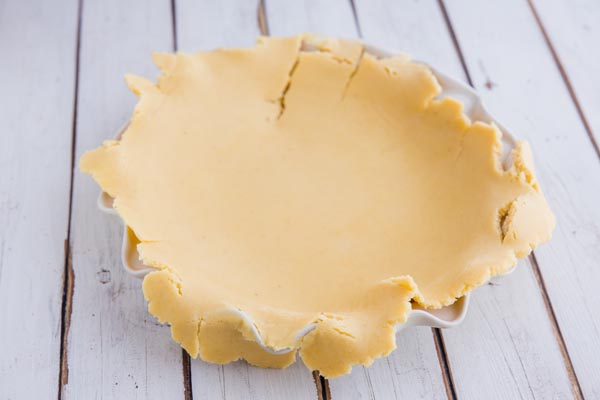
(37, 43)
(115, 349)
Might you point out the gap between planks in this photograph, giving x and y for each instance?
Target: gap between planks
(263, 25)
(186, 367)
(174, 24)
(323, 392)
(67, 307)
(356, 21)
(565, 78)
(575, 386)
(440, 347)
(68, 274)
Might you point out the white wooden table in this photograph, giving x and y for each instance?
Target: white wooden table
(73, 325)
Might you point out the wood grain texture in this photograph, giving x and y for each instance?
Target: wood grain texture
(419, 28)
(573, 30)
(412, 371)
(115, 349)
(204, 26)
(528, 93)
(38, 44)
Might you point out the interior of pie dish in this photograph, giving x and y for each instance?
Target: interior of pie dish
(306, 182)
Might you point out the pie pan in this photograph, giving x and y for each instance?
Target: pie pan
(445, 317)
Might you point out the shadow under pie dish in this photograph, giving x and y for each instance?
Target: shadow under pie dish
(309, 193)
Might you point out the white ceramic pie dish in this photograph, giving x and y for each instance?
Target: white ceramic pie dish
(445, 317)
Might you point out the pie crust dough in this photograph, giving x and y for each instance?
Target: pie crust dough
(304, 181)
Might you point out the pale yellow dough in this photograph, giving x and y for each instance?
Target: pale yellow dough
(306, 186)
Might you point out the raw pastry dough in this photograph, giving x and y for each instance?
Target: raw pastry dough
(323, 187)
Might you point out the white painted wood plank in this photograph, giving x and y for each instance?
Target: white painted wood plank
(415, 28)
(413, 370)
(206, 25)
(324, 17)
(115, 348)
(574, 29)
(418, 28)
(37, 43)
(239, 380)
(507, 334)
(202, 26)
(529, 94)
